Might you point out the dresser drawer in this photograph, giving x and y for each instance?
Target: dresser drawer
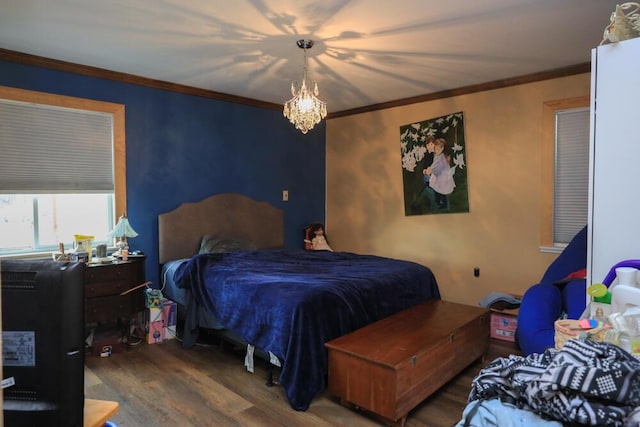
(103, 286)
(112, 279)
(108, 308)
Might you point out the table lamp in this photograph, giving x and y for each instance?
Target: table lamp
(122, 230)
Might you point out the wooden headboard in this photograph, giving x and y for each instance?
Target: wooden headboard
(230, 215)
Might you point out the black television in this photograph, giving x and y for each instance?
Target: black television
(42, 342)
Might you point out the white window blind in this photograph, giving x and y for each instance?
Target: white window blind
(571, 178)
(50, 149)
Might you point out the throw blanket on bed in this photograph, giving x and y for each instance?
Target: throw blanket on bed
(291, 302)
(586, 382)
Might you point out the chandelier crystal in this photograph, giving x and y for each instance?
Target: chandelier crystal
(305, 109)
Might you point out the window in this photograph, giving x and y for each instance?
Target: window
(62, 169)
(565, 171)
(39, 222)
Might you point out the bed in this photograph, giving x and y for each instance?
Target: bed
(285, 302)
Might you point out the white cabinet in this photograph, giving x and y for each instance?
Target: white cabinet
(614, 187)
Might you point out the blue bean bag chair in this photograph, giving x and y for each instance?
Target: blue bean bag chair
(558, 293)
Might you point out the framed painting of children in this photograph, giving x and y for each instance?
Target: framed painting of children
(434, 167)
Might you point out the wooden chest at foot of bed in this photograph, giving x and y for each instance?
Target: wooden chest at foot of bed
(390, 366)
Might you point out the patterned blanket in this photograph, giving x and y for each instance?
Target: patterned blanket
(586, 382)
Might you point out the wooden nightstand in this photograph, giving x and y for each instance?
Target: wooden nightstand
(105, 282)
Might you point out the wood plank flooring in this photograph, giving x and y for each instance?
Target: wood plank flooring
(166, 385)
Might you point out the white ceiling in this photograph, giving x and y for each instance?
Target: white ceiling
(367, 51)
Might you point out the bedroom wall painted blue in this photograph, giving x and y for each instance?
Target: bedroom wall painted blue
(183, 148)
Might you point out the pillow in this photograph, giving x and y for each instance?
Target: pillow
(211, 244)
(576, 275)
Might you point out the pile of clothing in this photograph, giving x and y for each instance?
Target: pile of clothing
(584, 383)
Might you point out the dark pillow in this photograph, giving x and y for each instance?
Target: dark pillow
(211, 244)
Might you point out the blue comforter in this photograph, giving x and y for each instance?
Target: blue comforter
(291, 302)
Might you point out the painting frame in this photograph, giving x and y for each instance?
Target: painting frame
(434, 166)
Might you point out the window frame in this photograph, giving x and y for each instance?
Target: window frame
(119, 138)
(547, 208)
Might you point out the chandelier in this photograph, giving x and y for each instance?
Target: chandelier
(305, 110)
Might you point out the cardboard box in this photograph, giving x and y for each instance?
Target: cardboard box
(170, 332)
(154, 321)
(170, 311)
(503, 326)
(160, 322)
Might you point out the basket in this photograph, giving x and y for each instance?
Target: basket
(567, 329)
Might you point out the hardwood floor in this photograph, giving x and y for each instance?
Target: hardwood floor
(166, 385)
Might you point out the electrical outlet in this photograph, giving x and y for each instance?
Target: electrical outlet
(285, 195)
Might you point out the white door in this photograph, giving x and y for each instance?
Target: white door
(614, 208)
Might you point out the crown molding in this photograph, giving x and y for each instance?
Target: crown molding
(40, 61)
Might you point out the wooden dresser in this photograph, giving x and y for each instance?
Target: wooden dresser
(390, 366)
(105, 282)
